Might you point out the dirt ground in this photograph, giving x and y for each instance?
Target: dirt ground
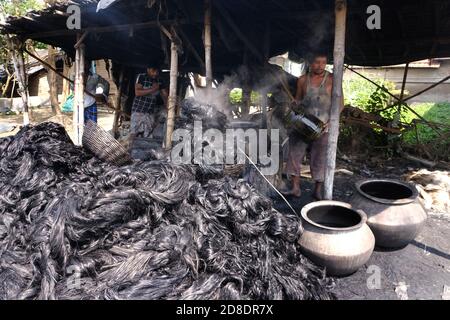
(421, 269)
(105, 120)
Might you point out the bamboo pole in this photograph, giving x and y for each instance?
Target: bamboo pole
(208, 44)
(118, 103)
(21, 76)
(338, 71)
(172, 95)
(78, 109)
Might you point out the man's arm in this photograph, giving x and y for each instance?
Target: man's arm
(139, 90)
(300, 93)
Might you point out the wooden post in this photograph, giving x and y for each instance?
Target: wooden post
(172, 95)
(405, 76)
(118, 103)
(336, 100)
(402, 93)
(264, 104)
(208, 44)
(264, 101)
(16, 48)
(51, 79)
(78, 108)
(246, 98)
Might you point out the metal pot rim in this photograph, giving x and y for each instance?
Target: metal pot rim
(410, 199)
(308, 207)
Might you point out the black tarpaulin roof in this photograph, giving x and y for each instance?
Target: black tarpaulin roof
(410, 30)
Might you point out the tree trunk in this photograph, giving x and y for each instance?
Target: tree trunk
(8, 81)
(16, 48)
(52, 83)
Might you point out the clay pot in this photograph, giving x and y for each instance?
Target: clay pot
(394, 213)
(336, 236)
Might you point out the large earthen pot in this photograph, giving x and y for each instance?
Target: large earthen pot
(394, 212)
(336, 236)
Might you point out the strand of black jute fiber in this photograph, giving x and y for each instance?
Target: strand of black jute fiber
(75, 227)
(267, 180)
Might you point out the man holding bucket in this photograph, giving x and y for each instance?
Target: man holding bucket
(313, 98)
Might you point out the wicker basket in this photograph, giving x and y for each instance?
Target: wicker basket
(103, 145)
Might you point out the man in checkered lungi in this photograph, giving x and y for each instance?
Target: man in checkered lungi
(148, 105)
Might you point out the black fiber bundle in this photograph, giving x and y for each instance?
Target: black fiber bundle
(193, 110)
(74, 227)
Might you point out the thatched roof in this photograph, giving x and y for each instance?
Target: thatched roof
(411, 30)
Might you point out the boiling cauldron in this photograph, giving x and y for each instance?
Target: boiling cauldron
(394, 213)
(336, 236)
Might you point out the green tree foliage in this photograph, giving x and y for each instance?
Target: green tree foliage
(360, 93)
(19, 7)
(15, 8)
(236, 97)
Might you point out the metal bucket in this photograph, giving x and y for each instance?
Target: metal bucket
(308, 126)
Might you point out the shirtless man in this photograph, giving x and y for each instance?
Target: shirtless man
(314, 93)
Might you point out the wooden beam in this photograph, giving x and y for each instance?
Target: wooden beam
(405, 76)
(172, 95)
(107, 29)
(78, 108)
(208, 44)
(80, 41)
(402, 95)
(266, 52)
(337, 96)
